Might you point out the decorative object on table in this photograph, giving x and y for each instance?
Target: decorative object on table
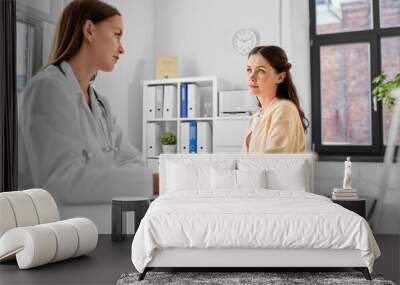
(247, 278)
(347, 174)
(347, 192)
(244, 40)
(31, 231)
(168, 142)
(120, 205)
(389, 93)
(167, 67)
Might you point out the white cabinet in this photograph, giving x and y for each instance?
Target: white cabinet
(229, 134)
(163, 112)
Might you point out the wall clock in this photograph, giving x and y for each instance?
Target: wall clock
(244, 40)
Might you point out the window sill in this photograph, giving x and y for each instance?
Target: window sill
(355, 158)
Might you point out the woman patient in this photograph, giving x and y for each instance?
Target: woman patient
(280, 125)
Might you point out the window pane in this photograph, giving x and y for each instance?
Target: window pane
(389, 13)
(391, 66)
(345, 95)
(334, 16)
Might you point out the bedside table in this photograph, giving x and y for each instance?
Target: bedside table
(139, 205)
(357, 205)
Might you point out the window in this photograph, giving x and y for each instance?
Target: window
(352, 41)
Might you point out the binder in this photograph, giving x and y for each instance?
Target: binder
(193, 100)
(193, 137)
(204, 137)
(151, 102)
(169, 102)
(153, 139)
(159, 101)
(185, 137)
(184, 90)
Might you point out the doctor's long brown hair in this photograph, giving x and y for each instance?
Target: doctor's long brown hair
(68, 36)
(277, 58)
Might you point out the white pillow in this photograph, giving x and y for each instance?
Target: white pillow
(288, 174)
(292, 179)
(228, 179)
(223, 179)
(182, 177)
(251, 178)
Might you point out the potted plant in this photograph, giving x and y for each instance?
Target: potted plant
(168, 142)
(385, 90)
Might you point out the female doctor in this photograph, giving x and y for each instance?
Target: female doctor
(70, 143)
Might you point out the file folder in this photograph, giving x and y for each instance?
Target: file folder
(193, 100)
(151, 102)
(159, 101)
(185, 137)
(153, 139)
(204, 143)
(184, 98)
(193, 137)
(169, 102)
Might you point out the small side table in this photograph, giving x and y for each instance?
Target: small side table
(139, 205)
(357, 205)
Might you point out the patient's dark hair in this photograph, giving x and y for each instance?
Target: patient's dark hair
(68, 37)
(277, 58)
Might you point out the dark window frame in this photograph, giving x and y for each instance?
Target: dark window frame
(373, 36)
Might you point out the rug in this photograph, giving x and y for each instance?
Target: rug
(273, 278)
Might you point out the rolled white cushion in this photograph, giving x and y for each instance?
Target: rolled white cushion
(45, 205)
(23, 208)
(67, 240)
(37, 245)
(7, 218)
(87, 234)
(33, 246)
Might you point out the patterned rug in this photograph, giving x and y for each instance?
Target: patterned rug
(242, 278)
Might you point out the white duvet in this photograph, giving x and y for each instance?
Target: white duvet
(252, 218)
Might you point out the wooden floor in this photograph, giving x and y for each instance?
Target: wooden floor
(110, 260)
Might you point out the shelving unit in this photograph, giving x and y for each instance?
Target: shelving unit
(208, 92)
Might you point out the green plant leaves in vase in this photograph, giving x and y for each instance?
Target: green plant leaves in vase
(383, 89)
(168, 138)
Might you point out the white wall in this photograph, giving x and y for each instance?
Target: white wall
(200, 34)
(123, 86)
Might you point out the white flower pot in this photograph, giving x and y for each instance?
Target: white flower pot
(169, 148)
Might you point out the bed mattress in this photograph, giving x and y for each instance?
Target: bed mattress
(250, 218)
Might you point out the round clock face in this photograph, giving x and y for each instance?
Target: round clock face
(244, 40)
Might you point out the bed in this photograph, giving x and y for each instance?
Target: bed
(246, 211)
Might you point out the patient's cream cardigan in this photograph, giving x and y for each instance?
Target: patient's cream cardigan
(276, 130)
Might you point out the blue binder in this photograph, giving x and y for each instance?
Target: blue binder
(193, 137)
(184, 105)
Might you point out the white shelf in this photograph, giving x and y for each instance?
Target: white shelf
(199, 80)
(196, 119)
(162, 120)
(226, 118)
